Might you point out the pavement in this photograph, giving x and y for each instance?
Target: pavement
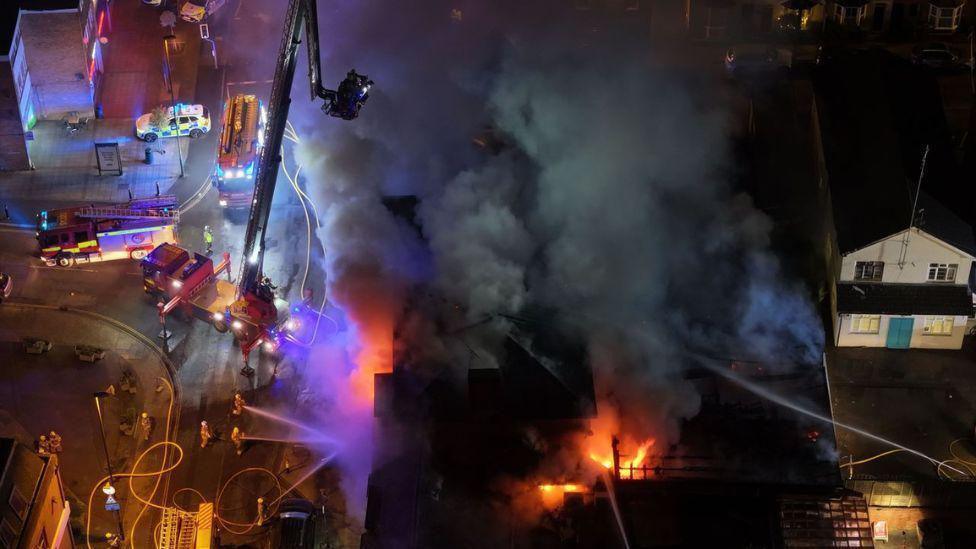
(53, 391)
(922, 399)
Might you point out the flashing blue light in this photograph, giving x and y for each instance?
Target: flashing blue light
(249, 170)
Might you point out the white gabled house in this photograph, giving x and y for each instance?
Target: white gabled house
(900, 263)
(908, 290)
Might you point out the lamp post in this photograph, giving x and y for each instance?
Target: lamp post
(110, 488)
(172, 96)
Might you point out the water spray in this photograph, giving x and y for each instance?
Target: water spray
(608, 481)
(782, 401)
(275, 417)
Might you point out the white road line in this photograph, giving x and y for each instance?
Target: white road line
(71, 269)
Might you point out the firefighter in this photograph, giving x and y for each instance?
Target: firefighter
(206, 435)
(208, 239)
(239, 404)
(54, 440)
(146, 422)
(237, 437)
(43, 446)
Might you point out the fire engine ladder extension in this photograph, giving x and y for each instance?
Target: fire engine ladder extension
(177, 530)
(300, 12)
(110, 212)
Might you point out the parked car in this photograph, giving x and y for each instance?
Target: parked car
(192, 12)
(755, 58)
(191, 120)
(6, 286)
(936, 55)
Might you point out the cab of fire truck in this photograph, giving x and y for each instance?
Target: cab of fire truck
(241, 142)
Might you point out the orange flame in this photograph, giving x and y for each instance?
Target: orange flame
(553, 494)
(629, 468)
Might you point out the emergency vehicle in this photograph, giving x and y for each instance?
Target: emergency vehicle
(189, 283)
(241, 142)
(101, 233)
(189, 120)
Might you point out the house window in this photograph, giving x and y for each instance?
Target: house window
(849, 16)
(868, 270)
(942, 272)
(944, 19)
(865, 324)
(937, 325)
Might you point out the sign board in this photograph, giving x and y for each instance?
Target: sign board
(109, 158)
(880, 531)
(111, 504)
(204, 31)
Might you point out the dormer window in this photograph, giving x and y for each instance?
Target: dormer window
(870, 271)
(942, 272)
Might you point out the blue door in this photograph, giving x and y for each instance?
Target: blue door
(900, 332)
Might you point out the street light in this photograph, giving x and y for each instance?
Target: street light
(109, 488)
(172, 96)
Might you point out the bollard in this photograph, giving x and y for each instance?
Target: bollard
(149, 155)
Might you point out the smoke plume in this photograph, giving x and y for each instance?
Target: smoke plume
(609, 205)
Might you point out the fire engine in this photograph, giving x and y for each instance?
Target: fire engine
(251, 308)
(241, 142)
(190, 284)
(101, 233)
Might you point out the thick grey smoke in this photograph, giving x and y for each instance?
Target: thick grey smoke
(610, 205)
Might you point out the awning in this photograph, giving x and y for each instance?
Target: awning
(904, 299)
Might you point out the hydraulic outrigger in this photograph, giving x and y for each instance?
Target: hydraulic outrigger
(190, 283)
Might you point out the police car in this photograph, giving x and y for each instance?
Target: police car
(191, 120)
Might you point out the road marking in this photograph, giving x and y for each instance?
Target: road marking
(73, 269)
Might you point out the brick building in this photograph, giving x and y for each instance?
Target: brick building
(51, 66)
(33, 509)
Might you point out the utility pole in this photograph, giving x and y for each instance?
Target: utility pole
(108, 462)
(172, 97)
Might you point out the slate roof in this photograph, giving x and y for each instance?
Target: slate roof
(876, 113)
(904, 299)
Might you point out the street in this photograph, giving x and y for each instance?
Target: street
(204, 365)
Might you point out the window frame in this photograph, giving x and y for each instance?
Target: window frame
(938, 20)
(933, 273)
(856, 325)
(928, 326)
(842, 14)
(861, 268)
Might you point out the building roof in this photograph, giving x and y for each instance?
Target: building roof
(904, 299)
(10, 8)
(877, 113)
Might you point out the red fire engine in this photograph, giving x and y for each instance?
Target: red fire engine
(190, 285)
(241, 142)
(101, 233)
(251, 308)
